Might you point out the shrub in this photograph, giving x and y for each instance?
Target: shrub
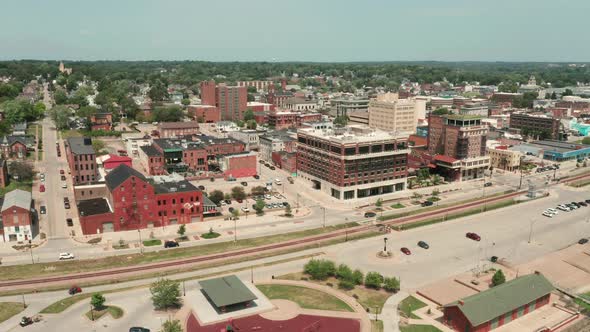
(320, 269)
(373, 280)
(498, 278)
(329, 284)
(345, 284)
(344, 273)
(357, 277)
(165, 294)
(391, 284)
(97, 301)
(355, 296)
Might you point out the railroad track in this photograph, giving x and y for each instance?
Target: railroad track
(262, 249)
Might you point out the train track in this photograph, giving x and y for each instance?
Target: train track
(262, 249)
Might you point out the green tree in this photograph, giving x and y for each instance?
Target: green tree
(171, 326)
(416, 196)
(240, 123)
(373, 280)
(97, 301)
(441, 111)
(238, 193)
(158, 92)
(553, 95)
(358, 277)
(344, 272)
(181, 230)
(251, 124)
(252, 89)
(21, 170)
(167, 114)
(165, 294)
(39, 109)
(98, 146)
(259, 207)
(185, 102)
(216, 196)
(248, 115)
(60, 97)
(320, 269)
(435, 193)
(235, 213)
(60, 116)
(567, 92)
(391, 284)
(379, 203)
(498, 278)
(257, 191)
(341, 121)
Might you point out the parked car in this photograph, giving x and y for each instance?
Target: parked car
(138, 329)
(487, 184)
(473, 236)
(171, 244)
(227, 201)
(370, 214)
(239, 200)
(267, 196)
(74, 290)
(406, 251)
(231, 209)
(42, 209)
(290, 179)
(494, 259)
(64, 185)
(587, 201)
(42, 188)
(423, 245)
(66, 255)
(256, 177)
(244, 183)
(25, 320)
(245, 209)
(61, 171)
(427, 203)
(63, 177)
(547, 214)
(202, 188)
(70, 222)
(273, 168)
(583, 241)
(278, 182)
(582, 204)
(67, 205)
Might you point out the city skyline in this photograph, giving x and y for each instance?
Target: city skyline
(263, 30)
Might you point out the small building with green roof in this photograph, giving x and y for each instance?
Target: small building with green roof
(499, 305)
(227, 293)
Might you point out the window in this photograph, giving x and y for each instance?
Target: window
(181, 200)
(159, 203)
(144, 196)
(123, 199)
(90, 192)
(16, 229)
(174, 201)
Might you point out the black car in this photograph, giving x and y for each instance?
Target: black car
(42, 209)
(370, 214)
(582, 203)
(423, 245)
(228, 201)
(67, 205)
(487, 184)
(171, 244)
(138, 329)
(587, 201)
(24, 321)
(583, 241)
(427, 203)
(273, 168)
(70, 222)
(63, 177)
(244, 183)
(256, 177)
(202, 188)
(231, 209)
(494, 259)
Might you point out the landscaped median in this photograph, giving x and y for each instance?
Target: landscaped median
(306, 298)
(9, 309)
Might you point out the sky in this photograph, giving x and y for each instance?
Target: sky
(296, 30)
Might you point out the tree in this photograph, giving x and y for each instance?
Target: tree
(341, 121)
(553, 95)
(181, 230)
(186, 101)
(97, 301)
(379, 203)
(167, 114)
(60, 97)
(373, 280)
(344, 272)
(60, 116)
(416, 196)
(251, 124)
(248, 115)
(258, 190)
(158, 92)
(235, 213)
(39, 109)
(586, 140)
(240, 123)
(238, 193)
(252, 89)
(227, 196)
(21, 171)
(171, 326)
(498, 278)
(320, 269)
(165, 294)
(441, 111)
(567, 92)
(98, 146)
(391, 284)
(216, 196)
(259, 207)
(435, 193)
(358, 277)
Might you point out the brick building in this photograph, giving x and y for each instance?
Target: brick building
(538, 125)
(3, 173)
(112, 161)
(285, 160)
(259, 85)
(16, 146)
(81, 160)
(134, 202)
(101, 121)
(285, 120)
(230, 100)
(18, 222)
(351, 163)
(204, 113)
(238, 165)
(178, 129)
(499, 305)
(275, 142)
(152, 160)
(457, 144)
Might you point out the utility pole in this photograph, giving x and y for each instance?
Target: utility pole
(235, 231)
(520, 167)
(31, 248)
(24, 303)
(324, 223)
(531, 230)
(91, 312)
(140, 243)
(183, 289)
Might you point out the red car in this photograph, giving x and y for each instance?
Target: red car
(42, 188)
(61, 171)
(74, 290)
(406, 251)
(473, 236)
(239, 200)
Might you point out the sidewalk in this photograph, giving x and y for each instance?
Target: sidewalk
(389, 314)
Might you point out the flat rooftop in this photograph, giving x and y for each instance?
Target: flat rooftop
(352, 133)
(559, 146)
(171, 187)
(94, 206)
(226, 291)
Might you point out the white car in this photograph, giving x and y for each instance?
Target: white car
(64, 185)
(563, 207)
(278, 182)
(66, 255)
(548, 214)
(267, 196)
(552, 210)
(245, 209)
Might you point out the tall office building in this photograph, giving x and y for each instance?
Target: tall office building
(389, 113)
(230, 100)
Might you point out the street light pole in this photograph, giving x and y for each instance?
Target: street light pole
(384, 244)
(140, 243)
(31, 248)
(520, 167)
(531, 230)
(324, 223)
(235, 231)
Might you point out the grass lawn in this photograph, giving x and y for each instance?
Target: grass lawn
(307, 298)
(27, 186)
(410, 304)
(151, 243)
(398, 206)
(115, 312)
(210, 235)
(12, 272)
(377, 325)
(367, 297)
(418, 328)
(65, 134)
(9, 309)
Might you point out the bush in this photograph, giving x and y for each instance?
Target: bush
(151, 243)
(329, 284)
(97, 301)
(357, 277)
(320, 269)
(498, 278)
(391, 284)
(373, 280)
(345, 284)
(165, 294)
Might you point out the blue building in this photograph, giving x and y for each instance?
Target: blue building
(561, 151)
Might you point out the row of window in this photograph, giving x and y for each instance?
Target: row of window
(82, 168)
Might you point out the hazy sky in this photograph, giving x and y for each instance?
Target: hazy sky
(296, 30)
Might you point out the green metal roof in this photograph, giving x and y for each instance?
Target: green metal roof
(496, 301)
(226, 291)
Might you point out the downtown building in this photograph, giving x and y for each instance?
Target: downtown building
(351, 163)
(390, 113)
(457, 146)
(81, 159)
(231, 101)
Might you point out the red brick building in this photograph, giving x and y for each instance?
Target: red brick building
(230, 100)
(239, 165)
(260, 107)
(285, 160)
(101, 121)
(178, 129)
(498, 305)
(3, 173)
(285, 120)
(81, 160)
(153, 160)
(133, 202)
(16, 146)
(112, 161)
(204, 113)
(18, 223)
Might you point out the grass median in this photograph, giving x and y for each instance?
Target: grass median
(9, 309)
(14, 272)
(408, 305)
(306, 298)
